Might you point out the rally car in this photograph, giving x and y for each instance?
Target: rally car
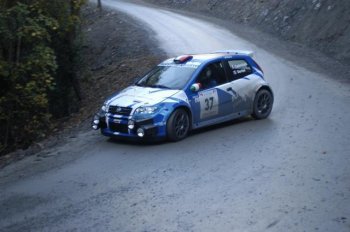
(186, 93)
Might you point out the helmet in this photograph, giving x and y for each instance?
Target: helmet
(208, 73)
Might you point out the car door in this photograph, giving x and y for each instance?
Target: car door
(241, 84)
(210, 102)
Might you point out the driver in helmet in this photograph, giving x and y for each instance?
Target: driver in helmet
(207, 79)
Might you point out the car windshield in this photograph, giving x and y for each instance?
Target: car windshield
(168, 77)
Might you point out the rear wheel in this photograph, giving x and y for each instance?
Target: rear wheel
(178, 125)
(262, 104)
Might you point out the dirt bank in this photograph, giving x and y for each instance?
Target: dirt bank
(116, 50)
(320, 24)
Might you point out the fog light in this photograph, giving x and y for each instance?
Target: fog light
(140, 132)
(95, 127)
(96, 121)
(131, 124)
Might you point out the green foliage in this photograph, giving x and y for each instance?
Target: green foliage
(37, 40)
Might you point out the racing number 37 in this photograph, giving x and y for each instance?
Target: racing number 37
(209, 103)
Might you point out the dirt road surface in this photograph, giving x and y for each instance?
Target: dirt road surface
(286, 173)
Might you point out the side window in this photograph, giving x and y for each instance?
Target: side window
(239, 68)
(212, 75)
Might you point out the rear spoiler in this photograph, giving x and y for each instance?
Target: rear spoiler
(237, 52)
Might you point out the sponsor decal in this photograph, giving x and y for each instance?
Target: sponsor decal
(196, 99)
(117, 120)
(185, 65)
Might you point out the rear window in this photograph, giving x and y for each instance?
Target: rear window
(239, 68)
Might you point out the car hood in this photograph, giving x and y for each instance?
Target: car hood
(135, 96)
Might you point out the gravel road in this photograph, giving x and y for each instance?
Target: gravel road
(286, 173)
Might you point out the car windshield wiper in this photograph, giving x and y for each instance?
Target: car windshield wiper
(159, 86)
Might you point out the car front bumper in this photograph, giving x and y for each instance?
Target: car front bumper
(118, 126)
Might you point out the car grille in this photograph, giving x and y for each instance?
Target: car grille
(117, 127)
(119, 110)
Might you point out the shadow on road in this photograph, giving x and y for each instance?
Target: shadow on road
(221, 125)
(194, 133)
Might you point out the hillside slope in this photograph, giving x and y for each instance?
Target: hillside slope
(320, 24)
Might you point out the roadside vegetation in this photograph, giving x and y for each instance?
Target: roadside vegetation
(39, 62)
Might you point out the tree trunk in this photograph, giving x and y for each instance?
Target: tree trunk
(71, 38)
(18, 50)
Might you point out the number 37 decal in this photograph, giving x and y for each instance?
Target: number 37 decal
(208, 103)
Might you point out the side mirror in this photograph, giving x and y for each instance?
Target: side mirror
(195, 87)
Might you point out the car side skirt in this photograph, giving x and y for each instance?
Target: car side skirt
(221, 119)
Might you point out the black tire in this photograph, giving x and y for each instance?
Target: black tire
(178, 125)
(263, 103)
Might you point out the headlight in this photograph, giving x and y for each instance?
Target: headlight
(104, 108)
(146, 110)
(103, 111)
(131, 124)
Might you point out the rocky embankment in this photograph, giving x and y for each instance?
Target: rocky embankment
(320, 24)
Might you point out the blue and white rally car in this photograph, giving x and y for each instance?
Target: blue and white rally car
(186, 93)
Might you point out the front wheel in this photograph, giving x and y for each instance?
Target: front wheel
(178, 125)
(262, 104)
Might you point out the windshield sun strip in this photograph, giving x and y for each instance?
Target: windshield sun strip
(180, 65)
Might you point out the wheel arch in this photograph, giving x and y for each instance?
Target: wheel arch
(170, 123)
(266, 87)
(189, 112)
(261, 87)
